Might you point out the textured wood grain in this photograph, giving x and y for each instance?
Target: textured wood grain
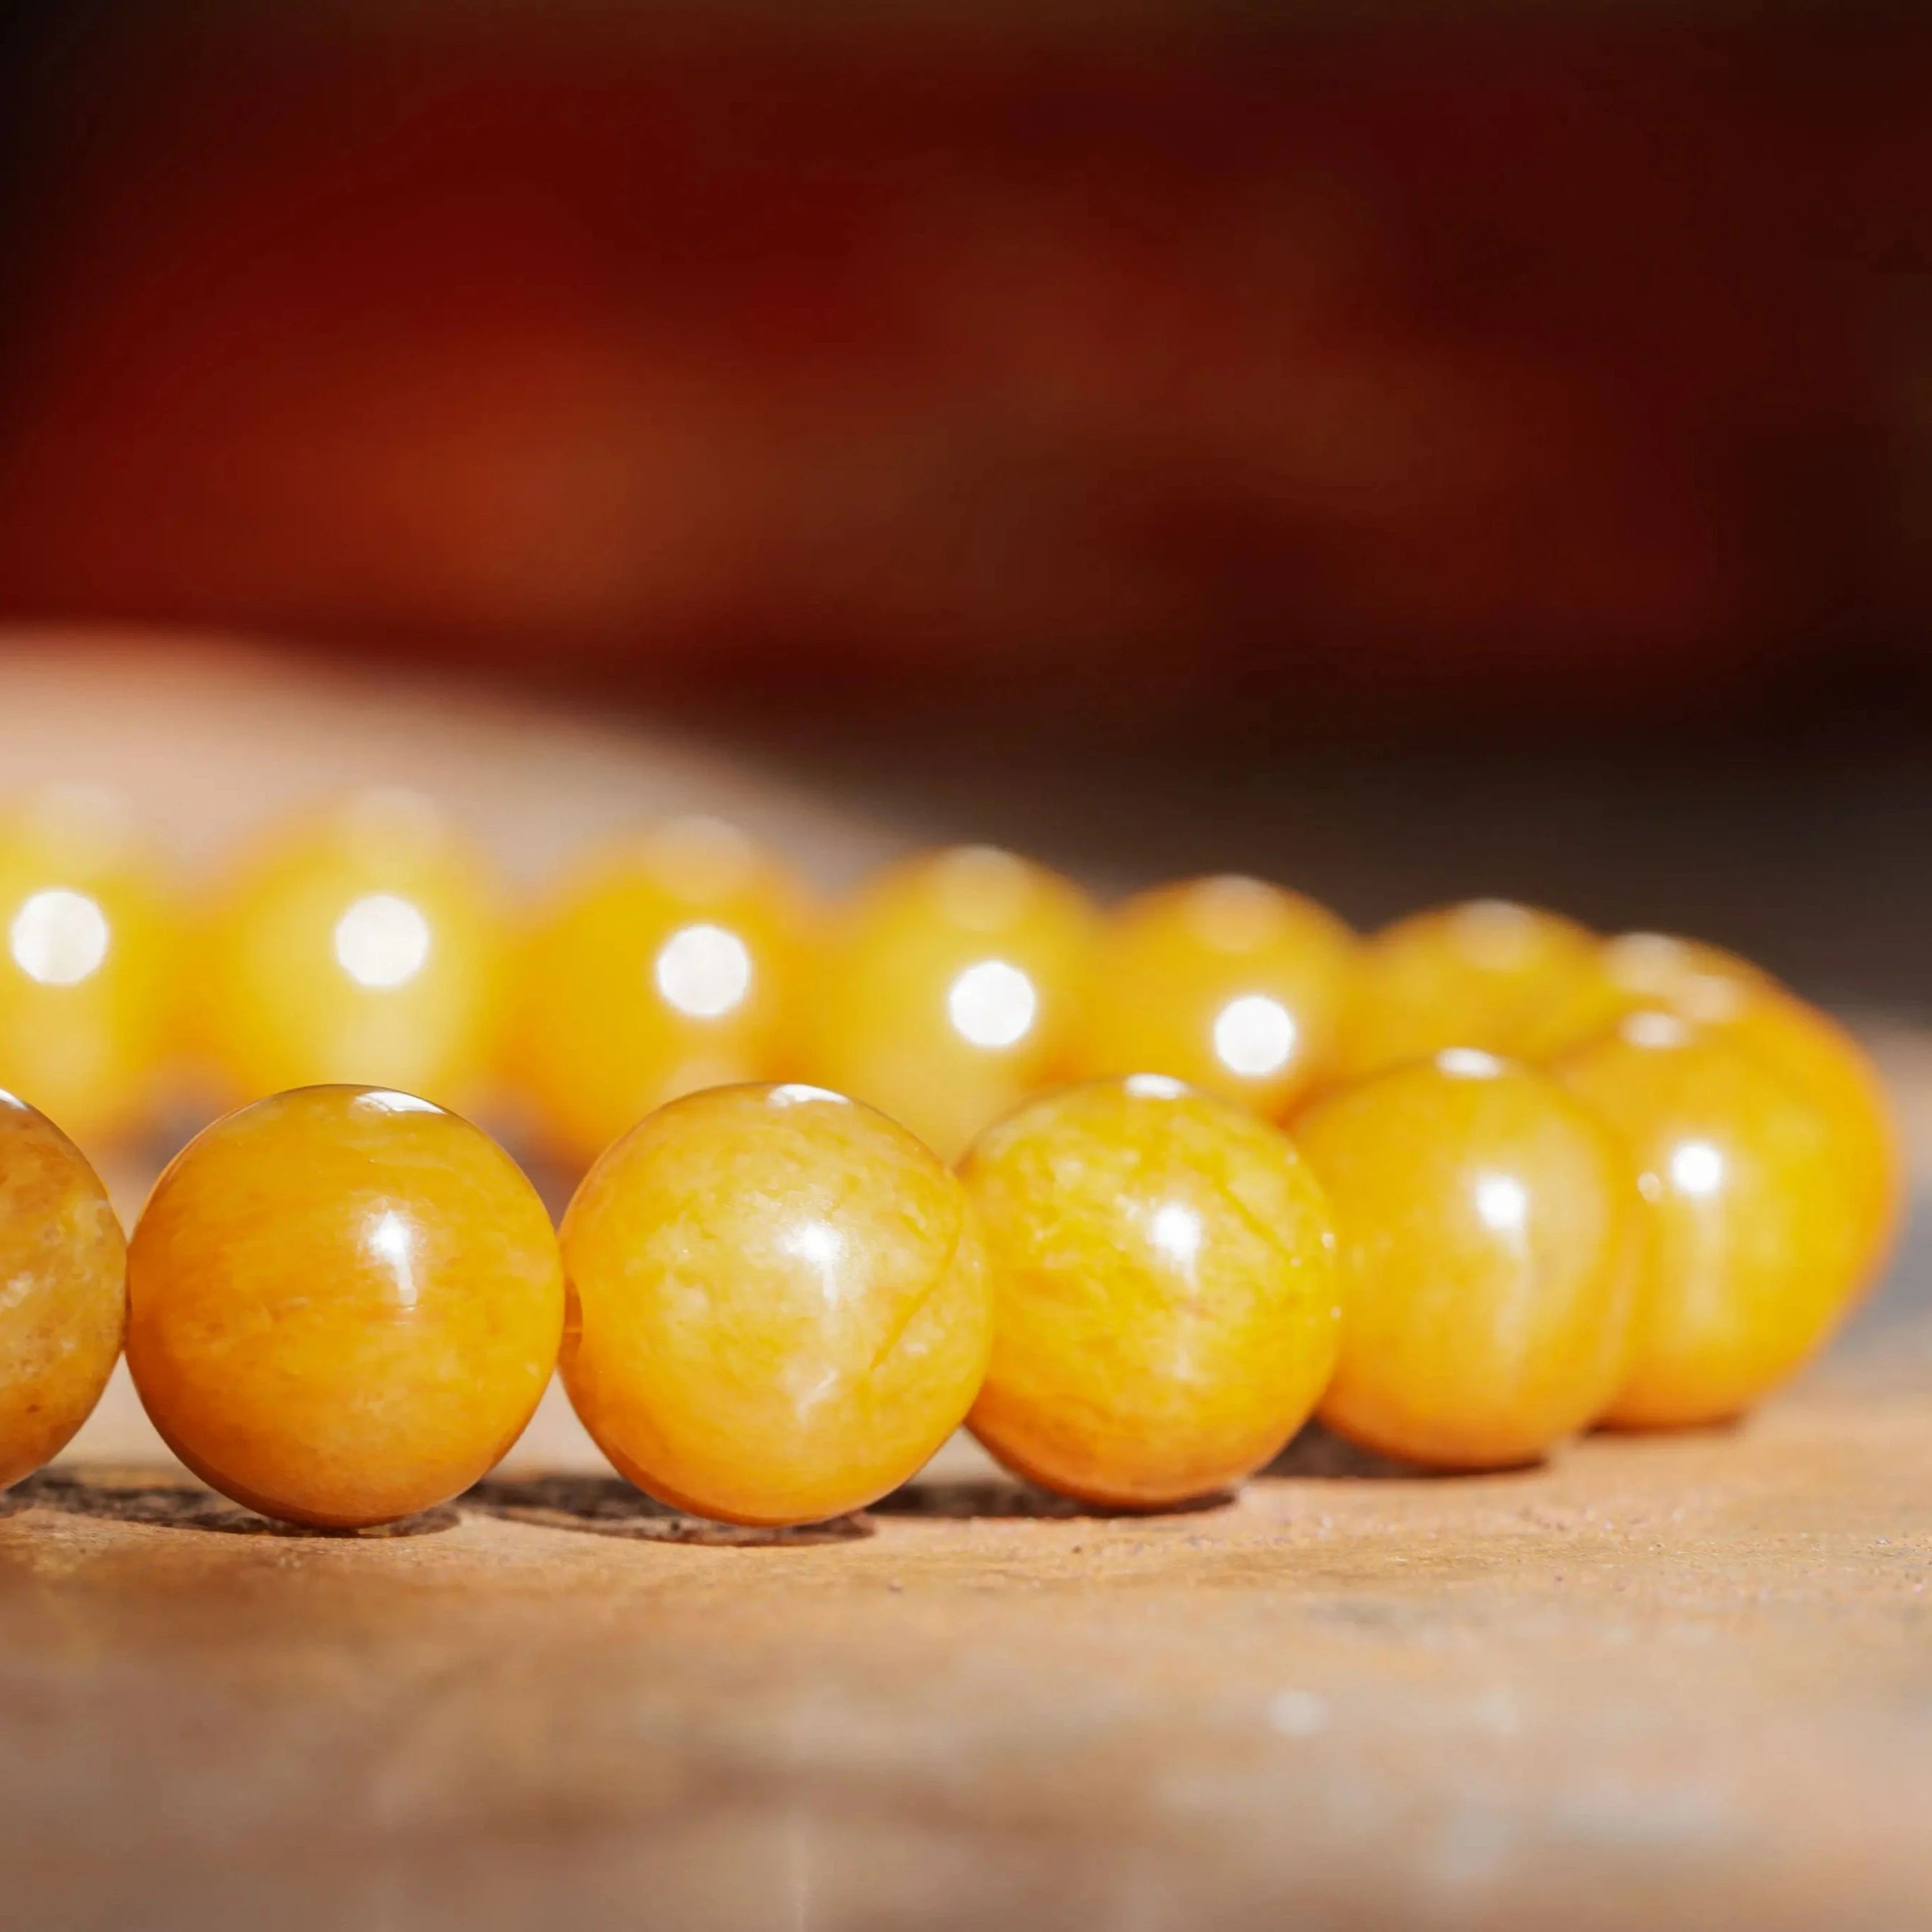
(1681, 1682)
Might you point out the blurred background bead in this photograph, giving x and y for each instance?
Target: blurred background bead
(1164, 1290)
(948, 990)
(344, 1305)
(63, 1289)
(365, 943)
(1482, 974)
(89, 952)
(1490, 1258)
(1232, 985)
(1638, 972)
(779, 1307)
(1754, 1243)
(671, 962)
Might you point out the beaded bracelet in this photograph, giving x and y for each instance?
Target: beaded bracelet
(1531, 1181)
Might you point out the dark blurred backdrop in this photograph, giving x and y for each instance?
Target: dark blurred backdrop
(1454, 372)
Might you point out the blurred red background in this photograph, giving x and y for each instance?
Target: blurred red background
(1422, 372)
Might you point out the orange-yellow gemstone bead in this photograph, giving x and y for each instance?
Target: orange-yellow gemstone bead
(88, 951)
(344, 1304)
(1233, 986)
(63, 1289)
(670, 963)
(1638, 972)
(1480, 975)
(1490, 1248)
(1835, 1074)
(1754, 1245)
(1165, 1291)
(778, 1306)
(365, 944)
(948, 990)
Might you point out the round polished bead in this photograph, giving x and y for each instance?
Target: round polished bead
(367, 943)
(63, 1289)
(1165, 1291)
(670, 963)
(948, 990)
(1754, 1244)
(1490, 1252)
(89, 952)
(1233, 986)
(1729, 998)
(1836, 1076)
(1481, 975)
(344, 1305)
(1640, 972)
(778, 1306)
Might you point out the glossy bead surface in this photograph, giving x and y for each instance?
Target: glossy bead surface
(344, 1304)
(1836, 1076)
(1753, 1247)
(1165, 1291)
(89, 950)
(671, 963)
(1732, 999)
(63, 1289)
(778, 1304)
(1232, 985)
(1481, 975)
(948, 989)
(1638, 972)
(368, 943)
(1490, 1252)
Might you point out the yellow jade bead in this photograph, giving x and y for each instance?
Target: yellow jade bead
(1754, 1243)
(670, 963)
(947, 990)
(365, 943)
(1232, 985)
(1836, 1076)
(1482, 974)
(1490, 1253)
(778, 1306)
(88, 952)
(63, 1289)
(1638, 972)
(1165, 1291)
(344, 1305)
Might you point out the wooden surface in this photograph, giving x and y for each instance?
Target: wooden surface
(1680, 1681)
(1672, 1682)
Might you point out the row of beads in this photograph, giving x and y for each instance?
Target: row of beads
(369, 942)
(770, 1303)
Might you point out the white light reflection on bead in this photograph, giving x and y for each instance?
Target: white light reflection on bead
(1154, 1087)
(1176, 1231)
(796, 1093)
(821, 1246)
(1655, 1030)
(393, 1239)
(59, 936)
(1502, 1203)
(1466, 1063)
(382, 940)
(703, 970)
(1254, 1035)
(992, 1004)
(387, 1100)
(1495, 933)
(1697, 1168)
